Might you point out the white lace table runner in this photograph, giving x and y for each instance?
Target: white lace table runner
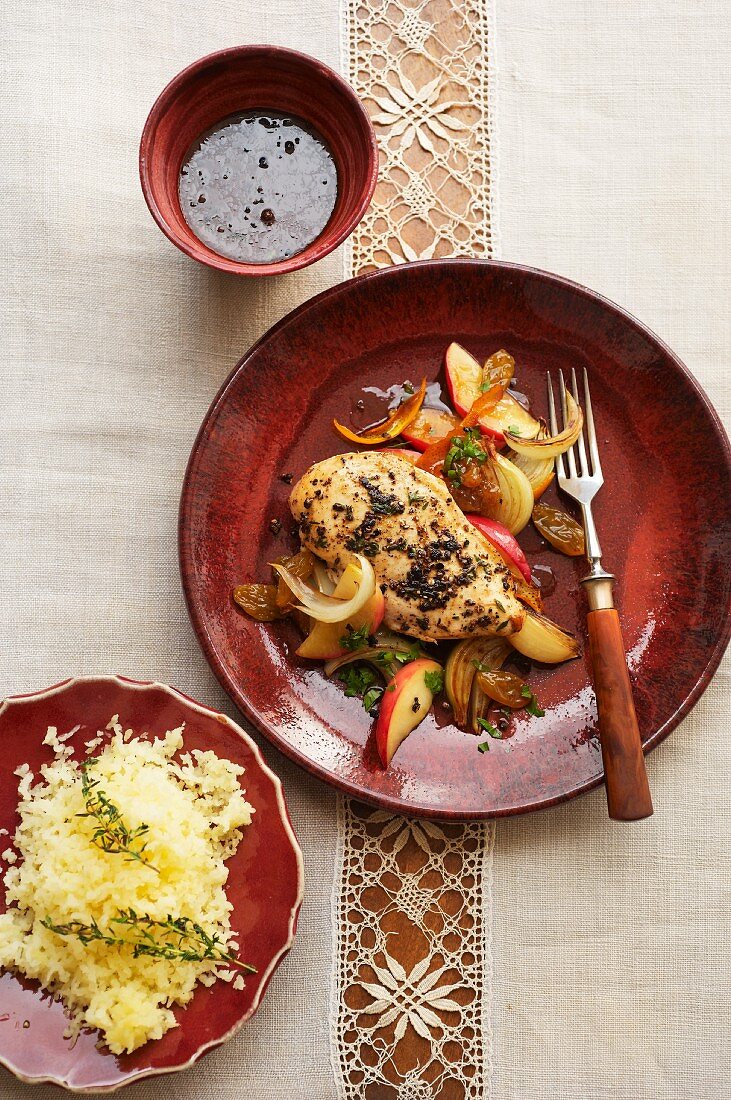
(413, 968)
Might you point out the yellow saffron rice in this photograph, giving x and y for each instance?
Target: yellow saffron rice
(193, 809)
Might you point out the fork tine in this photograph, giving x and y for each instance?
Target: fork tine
(553, 424)
(596, 465)
(570, 452)
(583, 464)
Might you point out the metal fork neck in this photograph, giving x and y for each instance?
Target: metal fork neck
(599, 588)
(598, 583)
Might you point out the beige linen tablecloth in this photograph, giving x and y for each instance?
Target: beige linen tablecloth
(610, 961)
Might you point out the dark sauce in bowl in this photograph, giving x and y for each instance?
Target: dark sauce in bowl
(258, 187)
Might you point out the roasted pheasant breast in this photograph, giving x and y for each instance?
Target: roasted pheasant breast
(441, 579)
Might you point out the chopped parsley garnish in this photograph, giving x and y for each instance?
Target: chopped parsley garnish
(357, 679)
(371, 697)
(532, 705)
(408, 388)
(416, 498)
(355, 639)
(500, 605)
(514, 429)
(462, 450)
(434, 681)
(389, 659)
(360, 682)
(410, 655)
(491, 731)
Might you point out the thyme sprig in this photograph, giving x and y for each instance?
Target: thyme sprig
(111, 834)
(183, 938)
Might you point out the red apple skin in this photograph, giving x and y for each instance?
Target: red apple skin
(442, 424)
(504, 542)
(323, 641)
(396, 718)
(464, 377)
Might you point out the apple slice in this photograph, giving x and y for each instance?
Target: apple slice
(429, 426)
(509, 415)
(404, 703)
(323, 641)
(504, 542)
(464, 379)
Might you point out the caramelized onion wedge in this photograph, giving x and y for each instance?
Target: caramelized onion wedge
(516, 496)
(399, 419)
(328, 609)
(322, 580)
(376, 655)
(539, 471)
(549, 446)
(461, 668)
(480, 705)
(300, 565)
(542, 640)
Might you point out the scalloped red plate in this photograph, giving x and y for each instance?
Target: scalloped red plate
(663, 518)
(265, 885)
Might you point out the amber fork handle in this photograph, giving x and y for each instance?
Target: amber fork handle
(628, 791)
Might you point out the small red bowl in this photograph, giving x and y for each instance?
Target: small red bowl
(246, 78)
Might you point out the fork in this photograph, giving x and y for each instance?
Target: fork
(628, 792)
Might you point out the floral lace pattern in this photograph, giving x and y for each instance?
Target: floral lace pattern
(411, 905)
(421, 67)
(413, 973)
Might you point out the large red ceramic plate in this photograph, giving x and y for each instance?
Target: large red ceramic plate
(264, 885)
(663, 518)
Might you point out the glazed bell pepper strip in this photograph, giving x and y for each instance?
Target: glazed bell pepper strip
(433, 457)
(484, 404)
(399, 419)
